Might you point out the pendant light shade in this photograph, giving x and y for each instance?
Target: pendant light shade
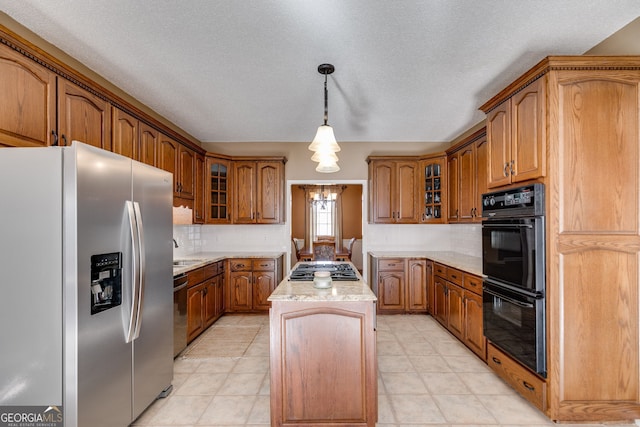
(327, 167)
(324, 144)
(324, 156)
(324, 140)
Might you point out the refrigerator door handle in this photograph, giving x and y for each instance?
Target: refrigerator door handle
(135, 276)
(141, 269)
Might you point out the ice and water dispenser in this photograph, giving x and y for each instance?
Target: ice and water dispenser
(106, 281)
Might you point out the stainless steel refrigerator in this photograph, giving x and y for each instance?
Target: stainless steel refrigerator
(86, 300)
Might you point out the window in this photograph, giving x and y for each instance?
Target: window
(324, 209)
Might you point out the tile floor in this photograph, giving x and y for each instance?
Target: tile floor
(426, 378)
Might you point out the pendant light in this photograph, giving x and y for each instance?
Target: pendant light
(324, 144)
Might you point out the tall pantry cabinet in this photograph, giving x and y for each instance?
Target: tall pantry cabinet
(585, 114)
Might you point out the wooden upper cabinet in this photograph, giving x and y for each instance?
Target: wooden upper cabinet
(199, 196)
(394, 192)
(432, 194)
(168, 159)
(28, 94)
(124, 132)
(453, 166)
(217, 190)
(481, 180)
(244, 185)
(467, 178)
(180, 161)
(515, 132)
(82, 116)
(258, 192)
(186, 172)
(148, 144)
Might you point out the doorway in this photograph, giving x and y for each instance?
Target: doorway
(313, 215)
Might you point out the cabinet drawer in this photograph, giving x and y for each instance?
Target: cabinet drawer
(240, 265)
(473, 284)
(440, 270)
(454, 276)
(196, 276)
(526, 383)
(264, 265)
(210, 270)
(391, 265)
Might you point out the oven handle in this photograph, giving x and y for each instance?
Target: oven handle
(507, 225)
(509, 300)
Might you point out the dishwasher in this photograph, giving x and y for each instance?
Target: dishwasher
(180, 283)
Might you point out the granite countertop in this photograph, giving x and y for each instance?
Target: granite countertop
(200, 259)
(468, 263)
(339, 291)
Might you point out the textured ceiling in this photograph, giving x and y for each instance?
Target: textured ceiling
(246, 70)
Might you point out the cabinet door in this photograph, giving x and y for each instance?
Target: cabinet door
(269, 192)
(455, 305)
(527, 132)
(473, 332)
(430, 288)
(417, 285)
(481, 176)
(264, 283)
(195, 309)
(467, 183)
(244, 203)
(433, 194)
(198, 204)
(186, 172)
(499, 145)
(391, 291)
(28, 93)
(405, 192)
(440, 300)
(220, 301)
(83, 116)
(382, 208)
(240, 287)
(209, 301)
(217, 185)
(168, 159)
(453, 185)
(148, 144)
(124, 131)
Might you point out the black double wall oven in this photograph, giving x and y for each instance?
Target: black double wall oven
(513, 261)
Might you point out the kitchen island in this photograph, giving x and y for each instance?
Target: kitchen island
(323, 354)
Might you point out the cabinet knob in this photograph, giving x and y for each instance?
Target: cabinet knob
(511, 167)
(55, 138)
(528, 386)
(496, 360)
(504, 171)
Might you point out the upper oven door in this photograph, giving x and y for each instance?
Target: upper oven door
(513, 252)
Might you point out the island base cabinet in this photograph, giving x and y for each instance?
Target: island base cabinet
(323, 364)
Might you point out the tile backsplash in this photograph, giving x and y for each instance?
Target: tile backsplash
(464, 238)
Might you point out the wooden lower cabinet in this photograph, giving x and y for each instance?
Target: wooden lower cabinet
(251, 281)
(530, 386)
(457, 306)
(205, 298)
(323, 364)
(195, 308)
(400, 285)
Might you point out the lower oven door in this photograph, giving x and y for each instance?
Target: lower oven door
(514, 322)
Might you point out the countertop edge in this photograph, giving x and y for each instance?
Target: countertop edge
(467, 263)
(204, 258)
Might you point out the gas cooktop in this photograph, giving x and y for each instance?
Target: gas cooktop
(343, 272)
